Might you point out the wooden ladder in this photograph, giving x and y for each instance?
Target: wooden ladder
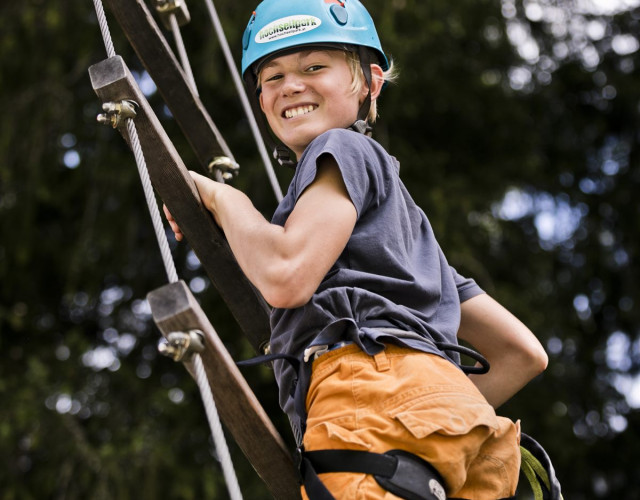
(173, 306)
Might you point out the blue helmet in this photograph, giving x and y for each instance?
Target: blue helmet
(279, 25)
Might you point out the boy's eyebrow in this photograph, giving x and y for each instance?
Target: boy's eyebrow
(301, 55)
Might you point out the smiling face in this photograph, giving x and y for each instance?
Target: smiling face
(307, 93)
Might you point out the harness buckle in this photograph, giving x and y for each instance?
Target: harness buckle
(315, 351)
(413, 478)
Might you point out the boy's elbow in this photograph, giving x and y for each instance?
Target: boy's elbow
(284, 289)
(536, 359)
(542, 361)
(285, 298)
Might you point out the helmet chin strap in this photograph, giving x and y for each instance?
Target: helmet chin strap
(361, 125)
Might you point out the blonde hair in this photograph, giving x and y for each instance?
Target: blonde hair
(389, 76)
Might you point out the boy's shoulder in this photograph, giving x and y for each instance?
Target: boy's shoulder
(344, 138)
(350, 148)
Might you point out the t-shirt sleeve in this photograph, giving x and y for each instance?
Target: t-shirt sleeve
(359, 163)
(467, 287)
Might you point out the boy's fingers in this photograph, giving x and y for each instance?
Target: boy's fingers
(167, 213)
(172, 223)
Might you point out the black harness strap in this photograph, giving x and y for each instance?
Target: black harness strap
(476, 356)
(399, 472)
(267, 358)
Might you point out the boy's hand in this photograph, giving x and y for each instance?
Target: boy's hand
(207, 189)
(172, 222)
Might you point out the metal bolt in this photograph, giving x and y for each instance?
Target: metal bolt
(116, 112)
(181, 345)
(225, 166)
(177, 8)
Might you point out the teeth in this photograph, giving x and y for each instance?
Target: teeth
(301, 110)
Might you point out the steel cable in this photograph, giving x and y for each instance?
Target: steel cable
(201, 379)
(245, 101)
(216, 430)
(150, 196)
(182, 52)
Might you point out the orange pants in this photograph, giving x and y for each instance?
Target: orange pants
(418, 402)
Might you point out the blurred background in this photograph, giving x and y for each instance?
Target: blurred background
(517, 125)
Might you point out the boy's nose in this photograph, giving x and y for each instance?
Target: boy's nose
(293, 84)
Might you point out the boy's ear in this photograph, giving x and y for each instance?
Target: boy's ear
(377, 80)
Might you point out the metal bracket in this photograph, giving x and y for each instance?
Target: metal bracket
(116, 112)
(178, 8)
(225, 167)
(181, 345)
(265, 348)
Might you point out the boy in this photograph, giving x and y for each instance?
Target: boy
(362, 295)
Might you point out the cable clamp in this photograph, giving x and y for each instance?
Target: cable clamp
(224, 167)
(115, 113)
(178, 8)
(181, 345)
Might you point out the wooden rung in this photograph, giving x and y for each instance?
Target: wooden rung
(175, 309)
(112, 82)
(156, 55)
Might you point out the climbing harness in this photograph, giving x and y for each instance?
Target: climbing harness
(399, 472)
(114, 114)
(408, 476)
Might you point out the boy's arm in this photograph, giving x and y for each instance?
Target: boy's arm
(514, 353)
(286, 264)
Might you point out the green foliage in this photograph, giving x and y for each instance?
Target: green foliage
(497, 147)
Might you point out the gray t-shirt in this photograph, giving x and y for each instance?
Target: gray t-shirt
(391, 283)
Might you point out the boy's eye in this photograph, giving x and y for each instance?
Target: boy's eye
(271, 78)
(315, 67)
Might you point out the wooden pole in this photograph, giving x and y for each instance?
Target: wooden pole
(156, 55)
(175, 309)
(113, 82)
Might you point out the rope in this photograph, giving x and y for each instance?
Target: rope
(216, 430)
(201, 378)
(184, 59)
(245, 101)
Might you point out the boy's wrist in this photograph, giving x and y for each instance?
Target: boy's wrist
(223, 199)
